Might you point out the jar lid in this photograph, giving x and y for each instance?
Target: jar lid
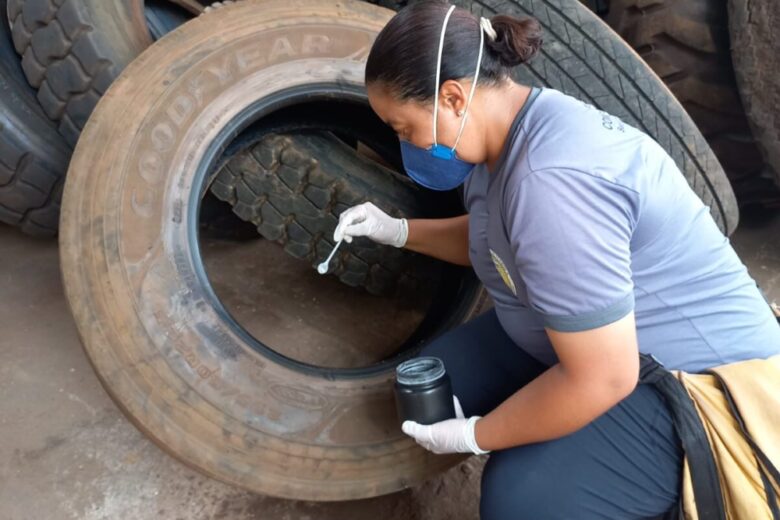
(419, 371)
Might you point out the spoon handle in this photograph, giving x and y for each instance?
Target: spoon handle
(327, 261)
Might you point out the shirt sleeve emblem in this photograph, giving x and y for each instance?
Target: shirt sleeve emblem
(501, 268)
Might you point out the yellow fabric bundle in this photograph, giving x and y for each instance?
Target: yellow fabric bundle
(754, 388)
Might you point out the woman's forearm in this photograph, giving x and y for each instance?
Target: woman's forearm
(551, 406)
(443, 238)
(597, 368)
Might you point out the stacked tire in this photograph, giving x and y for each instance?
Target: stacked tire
(716, 58)
(69, 54)
(755, 50)
(33, 156)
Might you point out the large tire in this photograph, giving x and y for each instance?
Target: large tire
(33, 157)
(72, 51)
(583, 57)
(165, 351)
(292, 188)
(687, 44)
(755, 49)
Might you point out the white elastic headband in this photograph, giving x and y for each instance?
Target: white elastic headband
(482, 31)
(487, 26)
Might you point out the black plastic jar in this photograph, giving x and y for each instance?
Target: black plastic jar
(423, 391)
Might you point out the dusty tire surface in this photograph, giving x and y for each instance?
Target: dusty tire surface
(756, 55)
(294, 187)
(164, 351)
(687, 45)
(72, 50)
(583, 57)
(33, 157)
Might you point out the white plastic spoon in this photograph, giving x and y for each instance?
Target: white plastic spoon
(323, 267)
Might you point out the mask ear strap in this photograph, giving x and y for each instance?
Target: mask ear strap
(438, 74)
(473, 86)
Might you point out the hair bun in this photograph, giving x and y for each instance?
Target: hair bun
(517, 40)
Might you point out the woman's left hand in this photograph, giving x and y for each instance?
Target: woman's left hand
(450, 436)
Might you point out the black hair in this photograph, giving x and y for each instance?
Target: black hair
(403, 57)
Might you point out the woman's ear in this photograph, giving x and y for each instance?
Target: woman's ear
(453, 96)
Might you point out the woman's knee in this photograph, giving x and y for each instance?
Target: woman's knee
(514, 487)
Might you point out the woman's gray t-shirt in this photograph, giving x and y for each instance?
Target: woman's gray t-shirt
(586, 219)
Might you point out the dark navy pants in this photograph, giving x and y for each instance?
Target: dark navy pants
(624, 465)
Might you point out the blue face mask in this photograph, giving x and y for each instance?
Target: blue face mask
(438, 167)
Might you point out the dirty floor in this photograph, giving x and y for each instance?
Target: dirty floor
(68, 453)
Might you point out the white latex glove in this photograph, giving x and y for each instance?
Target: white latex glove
(450, 436)
(368, 220)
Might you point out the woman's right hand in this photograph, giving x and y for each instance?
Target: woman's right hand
(369, 221)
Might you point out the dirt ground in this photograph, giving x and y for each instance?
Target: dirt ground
(68, 453)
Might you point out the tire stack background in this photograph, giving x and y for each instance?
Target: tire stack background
(57, 57)
(718, 62)
(33, 156)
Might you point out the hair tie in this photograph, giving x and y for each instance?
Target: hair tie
(486, 26)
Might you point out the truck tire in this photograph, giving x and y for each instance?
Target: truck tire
(33, 157)
(71, 70)
(687, 44)
(200, 387)
(753, 29)
(162, 345)
(72, 51)
(291, 187)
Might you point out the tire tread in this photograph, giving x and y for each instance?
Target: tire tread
(33, 157)
(267, 185)
(66, 57)
(687, 45)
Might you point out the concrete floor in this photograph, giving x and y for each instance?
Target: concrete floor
(68, 453)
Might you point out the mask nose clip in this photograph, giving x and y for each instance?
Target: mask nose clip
(443, 152)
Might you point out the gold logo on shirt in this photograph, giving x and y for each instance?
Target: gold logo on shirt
(501, 268)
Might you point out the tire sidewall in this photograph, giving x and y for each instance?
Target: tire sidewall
(167, 355)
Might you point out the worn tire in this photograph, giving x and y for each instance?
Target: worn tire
(33, 157)
(163, 349)
(755, 50)
(71, 56)
(72, 50)
(294, 187)
(583, 57)
(687, 45)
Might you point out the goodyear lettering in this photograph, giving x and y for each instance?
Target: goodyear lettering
(213, 77)
(150, 167)
(181, 109)
(315, 44)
